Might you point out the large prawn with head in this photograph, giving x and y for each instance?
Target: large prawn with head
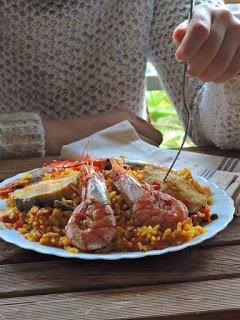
(149, 206)
(92, 224)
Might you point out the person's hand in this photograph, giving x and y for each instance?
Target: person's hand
(59, 133)
(210, 43)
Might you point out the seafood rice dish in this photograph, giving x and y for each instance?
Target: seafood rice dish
(106, 205)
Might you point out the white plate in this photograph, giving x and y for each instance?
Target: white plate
(223, 205)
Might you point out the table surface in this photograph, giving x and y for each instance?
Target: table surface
(198, 283)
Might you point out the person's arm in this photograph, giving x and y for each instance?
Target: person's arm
(59, 133)
(25, 134)
(215, 107)
(21, 135)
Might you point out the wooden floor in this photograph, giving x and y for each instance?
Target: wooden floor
(202, 282)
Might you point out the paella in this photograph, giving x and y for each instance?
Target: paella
(107, 205)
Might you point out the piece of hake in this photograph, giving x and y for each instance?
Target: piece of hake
(192, 194)
(44, 192)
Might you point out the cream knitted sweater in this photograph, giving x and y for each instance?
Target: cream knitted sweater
(68, 58)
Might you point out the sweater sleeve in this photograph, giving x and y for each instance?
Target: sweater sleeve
(215, 109)
(21, 135)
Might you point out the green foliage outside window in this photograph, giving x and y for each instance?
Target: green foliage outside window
(164, 118)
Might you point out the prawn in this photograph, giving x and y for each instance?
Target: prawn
(92, 224)
(149, 206)
(61, 165)
(54, 166)
(12, 186)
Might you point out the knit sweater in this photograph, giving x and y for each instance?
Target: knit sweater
(69, 58)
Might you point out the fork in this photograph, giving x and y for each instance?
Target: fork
(188, 111)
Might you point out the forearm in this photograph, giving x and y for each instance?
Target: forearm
(62, 132)
(59, 133)
(21, 135)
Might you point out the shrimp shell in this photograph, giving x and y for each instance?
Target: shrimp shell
(92, 224)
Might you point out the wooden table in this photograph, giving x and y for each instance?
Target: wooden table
(202, 282)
